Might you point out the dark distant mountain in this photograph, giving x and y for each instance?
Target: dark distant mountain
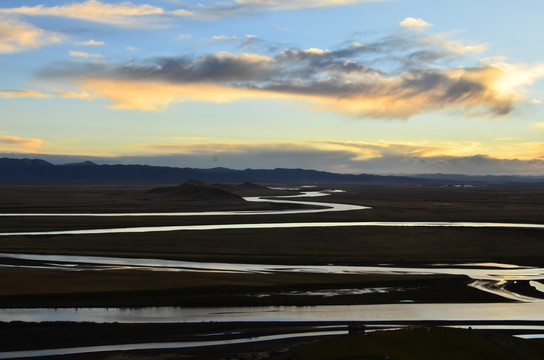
(84, 163)
(40, 171)
(475, 179)
(6, 163)
(250, 186)
(194, 189)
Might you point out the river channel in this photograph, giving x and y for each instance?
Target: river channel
(486, 277)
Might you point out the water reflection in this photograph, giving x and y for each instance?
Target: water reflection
(159, 345)
(382, 312)
(315, 207)
(145, 229)
(488, 277)
(493, 272)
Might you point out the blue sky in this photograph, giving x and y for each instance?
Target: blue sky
(346, 86)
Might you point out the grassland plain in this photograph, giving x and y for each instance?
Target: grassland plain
(350, 245)
(420, 343)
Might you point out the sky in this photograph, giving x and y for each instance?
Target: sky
(347, 86)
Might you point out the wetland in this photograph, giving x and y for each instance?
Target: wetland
(51, 260)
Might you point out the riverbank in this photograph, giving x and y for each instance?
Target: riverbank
(56, 288)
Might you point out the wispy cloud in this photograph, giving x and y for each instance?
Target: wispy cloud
(128, 14)
(344, 156)
(85, 55)
(122, 14)
(355, 157)
(13, 94)
(224, 37)
(24, 94)
(156, 96)
(17, 36)
(184, 36)
(295, 4)
(20, 143)
(90, 42)
(245, 7)
(73, 95)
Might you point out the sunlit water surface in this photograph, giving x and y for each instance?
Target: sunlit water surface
(487, 277)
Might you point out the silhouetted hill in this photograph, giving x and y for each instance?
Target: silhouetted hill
(84, 163)
(40, 171)
(250, 186)
(194, 189)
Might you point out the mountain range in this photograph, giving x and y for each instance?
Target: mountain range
(40, 171)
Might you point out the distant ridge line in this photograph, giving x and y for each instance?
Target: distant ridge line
(41, 171)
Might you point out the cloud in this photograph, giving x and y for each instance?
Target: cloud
(85, 55)
(128, 14)
(361, 150)
(90, 42)
(156, 96)
(223, 37)
(10, 94)
(415, 24)
(122, 14)
(417, 74)
(324, 78)
(24, 94)
(244, 7)
(336, 156)
(516, 76)
(20, 143)
(17, 36)
(296, 4)
(469, 165)
(182, 12)
(73, 95)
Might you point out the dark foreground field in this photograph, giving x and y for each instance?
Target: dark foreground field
(418, 342)
(34, 287)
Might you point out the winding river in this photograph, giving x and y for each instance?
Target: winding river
(487, 277)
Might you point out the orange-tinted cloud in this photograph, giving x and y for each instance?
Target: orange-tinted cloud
(17, 36)
(20, 143)
(341, 80)
(358, 150)
(464, 90)
(43, 95)
(129, 14)
(24, 94)
(352, 156)
(539, 125)
(73, 95)
(125, 13)
(156, 96)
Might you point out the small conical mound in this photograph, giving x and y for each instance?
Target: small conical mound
(195, 189)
